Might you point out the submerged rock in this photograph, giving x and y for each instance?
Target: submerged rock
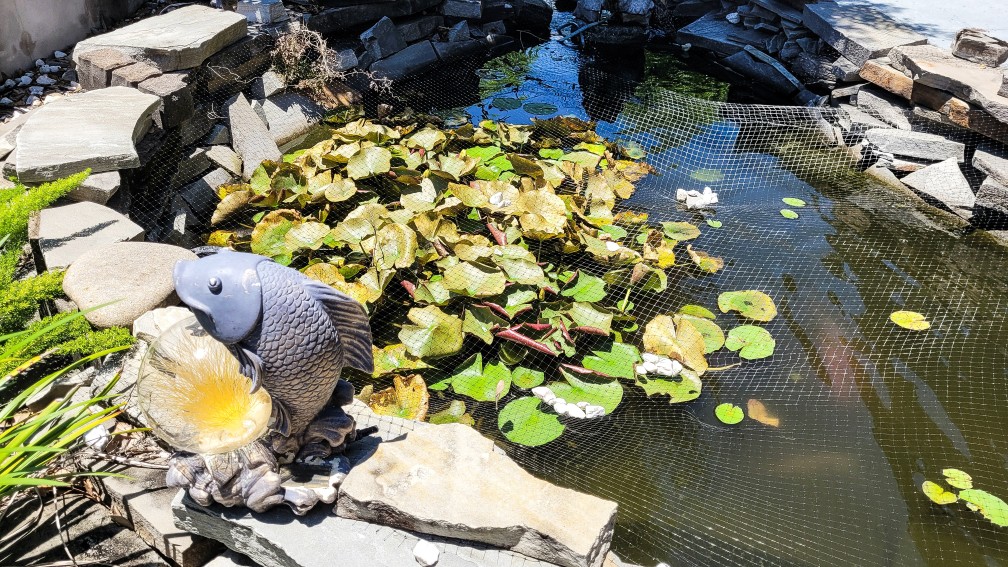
(945, 183)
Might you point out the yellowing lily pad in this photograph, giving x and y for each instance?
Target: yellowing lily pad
(788, 214)
(937, 493)
(729, 414)
(433, 332)
(957, 478)
(910, 320)
(751, 304)
(758, 411)
(407, 399)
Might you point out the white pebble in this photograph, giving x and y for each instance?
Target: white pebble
(39, 62)
(557, 401)
(734, 17)
(497, 198)
(6, 101)
(560, 408)
(25, 81)
(540, 391)
(426, 553)
(74, 85)
(574, 411)
(9, 83)
(594, 411)
(36, 90)
(582, 405)
(649, 367)
(639, 369)
(612, 246)
(45, 80)
(30, 101)
(651, 357)
(59, 55)
(97, 437)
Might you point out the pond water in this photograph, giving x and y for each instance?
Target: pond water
(866, 410)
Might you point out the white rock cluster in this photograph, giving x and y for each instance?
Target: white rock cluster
(660, 365)
(695, 199)
(426, 553)
(581, 410)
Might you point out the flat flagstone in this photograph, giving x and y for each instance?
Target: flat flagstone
(180, 39)
(250, 136)
(859, 33)
(715, 33)
(916, 144)
(945, 183)
(96, 130)
(97, 188)
(65, 233)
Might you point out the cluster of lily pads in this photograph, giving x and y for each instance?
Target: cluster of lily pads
(988, 505)
(507, 243)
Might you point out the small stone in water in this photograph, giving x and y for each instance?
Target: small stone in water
(582, 405)
(575, 411)
(558, 401)
(26, 80)
(426, 553)
(560, 408)
(594, 411)
(59, 55)
(649, 367)
(651, 357)
(639, 369)
(734, 17)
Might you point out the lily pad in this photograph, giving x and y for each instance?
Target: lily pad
(483, 387)
(750, 303)
(990, 506)
(758, 411)
(599, 391)
(269, 235)
(527, 378)
(407, 399)
(433, 333)
(910, 320)
(713, 336)
(619, 361)
(369, 162)
(454, 413)
(540, 108)
(684, 388)
(788, 214)
(522, 422)
(707, 175)
(729, 414)
(697, 311)
(474, 280)
(586, 288)
(551, 153)
(957, 478)
(543, 214)
(937, 493)
(676, 338)
(506, 103)
(751, 342)
(793, 202)
(680, 231)
(704, 261)
(714, 223)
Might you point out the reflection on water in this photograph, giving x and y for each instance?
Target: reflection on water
(867, 411)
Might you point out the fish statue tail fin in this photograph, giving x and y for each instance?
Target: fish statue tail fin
(351, 321)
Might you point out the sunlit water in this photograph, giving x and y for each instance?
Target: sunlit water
(867, 410)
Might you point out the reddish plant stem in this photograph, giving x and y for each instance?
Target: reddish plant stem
(514, 336)
(496, 309)
(496, 232)
(590, 330)
(410, 287)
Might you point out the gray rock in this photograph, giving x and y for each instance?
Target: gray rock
(408, 61)
(176, 97)
(262, 11)
(781, 9)
(885, 107)
(420, 28)
(636, 12)
(45, 151)
(345, 60)
(197, 127)
(342, 19)
(266, 86)
(141, 501)
(554, 524)
(191, 167)
(151, 324)
(9, 131)
(469, 9)
(60, 387)
(992, 199)
(66, 233)
(858, 32)
(944, 182)
(231, 70)
(459, 32)
(448, 50)
(716, 34)
(848, 91)
(857, 121)
(225, 157)
(588, 10)
(995, 166)
(491, 29)
(938, 68)
(94, 70)
(976, 46)
(97, 188)
(748, 66)
(916, 144)
(252, 139)
(382, 39)
(137, 276)
(231, 559)
(133, 74)
(808, 45)
(290, 116)
(219, 135)
(845, 71)
(124, 368)
(180, 39)
(201, 195)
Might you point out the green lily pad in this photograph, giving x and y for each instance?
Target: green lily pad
(793, 202)
(750, 303)
(729, 414)
(394, 358)
(713, 223)
(910, 320)
(751, 342)
(485, 386)
(433, 333)
(957, 478)
(619, 361)
(369, 162)
(454, 413)
(680, 231)
(713, 336)
(604, 392)
(527, 378)
(684, 388)
(990, 506)
(481, 322)
(540, 108)
(788, 214)
(551, 153)
(697, 311)
(937, 493)
(707, 175)
(269, 235)
(522, 422)
(632, 150)
(586, 288)
(506, 103)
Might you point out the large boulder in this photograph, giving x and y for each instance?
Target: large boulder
(418, 484)
(135, 277)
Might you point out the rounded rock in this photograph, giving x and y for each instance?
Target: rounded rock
(136, 276)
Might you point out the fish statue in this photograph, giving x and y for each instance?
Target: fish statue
(292, 336)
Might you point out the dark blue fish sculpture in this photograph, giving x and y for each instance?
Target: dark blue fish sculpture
(292, 336)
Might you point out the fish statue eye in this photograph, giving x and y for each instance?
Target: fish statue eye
(215, 285)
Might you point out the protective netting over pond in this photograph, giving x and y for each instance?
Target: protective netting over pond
(845, 412)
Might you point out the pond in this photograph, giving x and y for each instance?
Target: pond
(860, 411)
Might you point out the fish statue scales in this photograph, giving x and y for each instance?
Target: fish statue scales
(292, 336)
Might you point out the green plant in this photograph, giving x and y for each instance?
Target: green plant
(29, 442)
(72, 337)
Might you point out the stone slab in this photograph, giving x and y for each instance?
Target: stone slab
(136, 276)
(201, 195)
(857, 120)
(945, 183)
(420, 28)
(65, 233)
(341, 19)
(938, 68)
(781, 9)
(225, 157)
(885, 107)
(94, 69)
(263, 11)
(382, 39)
(142, 502)
(551, 523)
(992, 197)
(9, 131)
(468, 9)
(97, 188)
(267, 85)
(231, 70)
(47, 150)
(449, 50)
(916, 145)
(858, 33)
(180, 39)
(414, 58)
(290, 115)
(189, 168)
(219, 135)
(151, 324)
(994, 165)
(880, 72)
(250, 136)
(176, 97)
(976, 46)
(133, 74)
(714, 33)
